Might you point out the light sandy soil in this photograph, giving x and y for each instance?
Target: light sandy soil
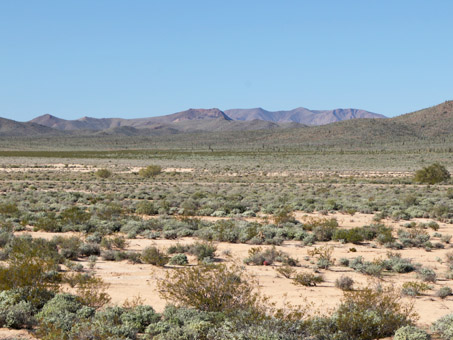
(131, 280)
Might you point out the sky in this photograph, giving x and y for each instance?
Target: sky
(142, 58)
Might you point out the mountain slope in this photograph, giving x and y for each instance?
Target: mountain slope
(301, 115)
(10, 127)
(88, 123)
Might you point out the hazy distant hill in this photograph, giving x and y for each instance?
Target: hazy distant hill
(88, 123)
(214, 127)
(301, 115)
(10, 127)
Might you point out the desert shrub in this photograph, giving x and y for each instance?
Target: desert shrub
(91, 290)
(373, 268)
(324, 256)
(14, 311)
(203, 250)
(444, 327)
(89, 249)
(397, 264)
(427, 274)
(28, 265)
(48, 223)
(179, 260)
(384, 234)
(413, 288)
(9, 208)
(69, 247)
(283, 215)
(198, 287)
(446, 238)
(325, 231)
(344, 261)
(286, 271)
(435, 173)
(411, 333)
(74, 215)
(344, 282)
(103, 173)
(349, 235)
(372, 314)
(307, 279)
(152, 255)
(116, 242)
(61, 312)
(146, 208)
(258, 256)
(178, 248)
(150, 171)
(443, 292)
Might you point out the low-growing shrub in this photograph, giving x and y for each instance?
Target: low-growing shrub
(443, 292)
(152, 255)
(103, 173)
(179, 260)
(286, 271)
(413, 288)
(427, 274)
(344, 283)
(411, 333)
(307, 279)
(444, 327)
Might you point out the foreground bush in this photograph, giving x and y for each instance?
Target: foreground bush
(444, 327)
(372, 314)
(210, 288)
(411, 333)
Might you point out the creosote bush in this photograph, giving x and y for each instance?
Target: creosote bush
(369, 314)
(103, 173)
(150, 171)
(307, 279)
(152, 255)
(210, 288)
(435, 173)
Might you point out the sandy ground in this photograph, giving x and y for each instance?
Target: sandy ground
(132, 280)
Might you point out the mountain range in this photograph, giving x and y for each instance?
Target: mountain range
(209, 120)
(210, 126)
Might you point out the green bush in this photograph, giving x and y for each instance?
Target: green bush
(435, 173)
(307, 279)
(202, 250)
(61, 312)
(103, 173)
(413, 288)
(198, 287)
(369, 314)
(179, 260)
(154, 256)
(427, 274)
(411, 333)
(150, 171)
(444, 327)
(14, 311)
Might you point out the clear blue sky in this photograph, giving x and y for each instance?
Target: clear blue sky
(135, 58)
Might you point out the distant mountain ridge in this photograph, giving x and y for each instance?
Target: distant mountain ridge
(216, 125)
(301, 115)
